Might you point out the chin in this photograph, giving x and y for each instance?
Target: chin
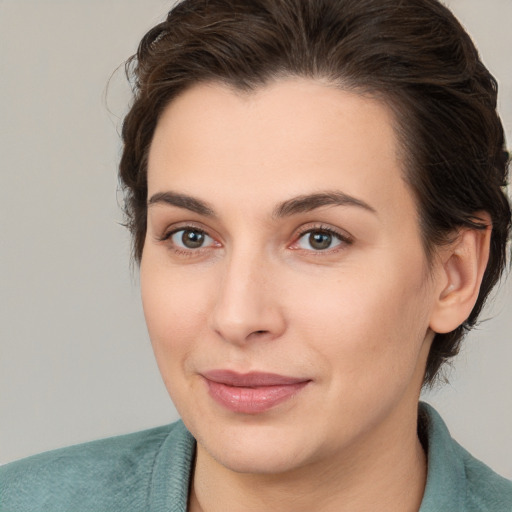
(266, 460)
(256, 449)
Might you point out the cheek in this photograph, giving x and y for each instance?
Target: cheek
(175, 313)
(369, 325)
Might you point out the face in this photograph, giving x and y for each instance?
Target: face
(283, 279)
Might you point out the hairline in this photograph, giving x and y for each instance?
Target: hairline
(388, 100)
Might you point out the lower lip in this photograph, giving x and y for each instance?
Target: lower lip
(252, 400)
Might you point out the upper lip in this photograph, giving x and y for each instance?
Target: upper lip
(251, 379)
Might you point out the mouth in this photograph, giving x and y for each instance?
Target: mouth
(251, 393)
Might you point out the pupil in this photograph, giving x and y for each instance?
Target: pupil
(320, 240)
(192, 239)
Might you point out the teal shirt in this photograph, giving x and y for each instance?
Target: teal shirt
(149, 472)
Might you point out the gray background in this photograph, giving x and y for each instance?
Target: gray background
(75, 359)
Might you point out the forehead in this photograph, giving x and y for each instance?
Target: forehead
(291, 137)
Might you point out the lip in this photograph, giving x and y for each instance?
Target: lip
(251, 393)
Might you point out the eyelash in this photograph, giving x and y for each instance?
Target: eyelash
(185, 252)
(343, 238)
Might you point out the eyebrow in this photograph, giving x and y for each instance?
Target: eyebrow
(300, 204)
(182, 201)
(309, 202)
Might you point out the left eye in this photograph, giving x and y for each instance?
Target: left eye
(319, 240)
(190, 238)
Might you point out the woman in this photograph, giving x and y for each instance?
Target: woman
(315, 193)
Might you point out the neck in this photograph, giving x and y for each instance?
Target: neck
(384, 471)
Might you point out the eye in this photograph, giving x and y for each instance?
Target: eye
(190, 238)
(320, 239)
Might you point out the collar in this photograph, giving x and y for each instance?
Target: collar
(445, 488)
(446, 478)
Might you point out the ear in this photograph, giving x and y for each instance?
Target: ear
(460, 271)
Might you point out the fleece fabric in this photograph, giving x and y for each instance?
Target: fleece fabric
(150, 471)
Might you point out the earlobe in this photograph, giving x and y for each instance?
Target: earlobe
(461, 269)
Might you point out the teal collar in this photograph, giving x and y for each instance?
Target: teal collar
(446, 488)
(172, 470)
(446, 480)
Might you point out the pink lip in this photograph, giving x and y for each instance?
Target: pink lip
(251, 393)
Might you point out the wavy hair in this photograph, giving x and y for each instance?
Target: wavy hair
(413, 55)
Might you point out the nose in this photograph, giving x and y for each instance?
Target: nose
(247, 305)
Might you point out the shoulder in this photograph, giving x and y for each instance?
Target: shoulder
(109, 474)
(456, 480)
(486, 491)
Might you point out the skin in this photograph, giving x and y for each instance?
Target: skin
(355, 319)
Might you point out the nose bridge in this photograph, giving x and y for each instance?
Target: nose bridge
(247, 303)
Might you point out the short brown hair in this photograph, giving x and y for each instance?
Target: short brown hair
(411, 54)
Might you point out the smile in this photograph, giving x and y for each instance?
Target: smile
(251, 393)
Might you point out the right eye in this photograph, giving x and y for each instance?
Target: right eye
(190, 238)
